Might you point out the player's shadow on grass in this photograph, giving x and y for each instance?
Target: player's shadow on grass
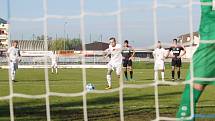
(72, 110)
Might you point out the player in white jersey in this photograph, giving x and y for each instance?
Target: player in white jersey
(115, 63)
(159, 55)
(14, 57)
(54, 62)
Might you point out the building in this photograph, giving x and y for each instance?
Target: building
(190, 47)
(97, 46)
(3, 33)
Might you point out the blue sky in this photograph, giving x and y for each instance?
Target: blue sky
(137, 20)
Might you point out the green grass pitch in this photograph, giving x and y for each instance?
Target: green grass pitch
(138, 103)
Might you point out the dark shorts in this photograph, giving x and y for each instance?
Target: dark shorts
(176, 62)
(127, 62)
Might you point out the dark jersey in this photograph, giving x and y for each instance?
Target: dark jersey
(127, 52)
(176, 50)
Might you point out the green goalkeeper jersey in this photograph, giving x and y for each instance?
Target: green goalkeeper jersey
(204, 57)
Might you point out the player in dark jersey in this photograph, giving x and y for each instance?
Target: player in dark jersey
(176, 57)
(128, 54)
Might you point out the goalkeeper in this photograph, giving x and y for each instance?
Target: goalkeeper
(203, 62)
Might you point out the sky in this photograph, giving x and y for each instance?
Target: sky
(137, 19)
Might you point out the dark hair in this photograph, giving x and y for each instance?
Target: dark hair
(113, 38)
(15, 41)
(159, 41)
(175, 40)
(126, 41)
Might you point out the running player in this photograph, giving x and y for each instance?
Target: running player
(14, 57)
(203, 63)
(115, 62)
(159, 55)
(128, 54)
(176, 57)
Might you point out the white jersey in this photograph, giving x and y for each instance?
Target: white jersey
(54, 58)
(159, 54)
(13, 54)
(116, 54)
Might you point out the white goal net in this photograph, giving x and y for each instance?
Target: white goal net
(122, 86)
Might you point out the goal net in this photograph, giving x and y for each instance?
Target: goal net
(84, 15)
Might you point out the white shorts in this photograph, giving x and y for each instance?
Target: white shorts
(114, 66)
(54, 64)
(159, 65)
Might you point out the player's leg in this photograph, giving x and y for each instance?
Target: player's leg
(12, 71)
(179, 72)
(173, 73)
(203, 57)
(52, 68)
(155, 70)
(108, 76)
(161, 68)
(184, 110)
(162, 75)
(173, 69)
(130, 69)
(179, 68)
(125, 69)
(118, 70)
(56, 67)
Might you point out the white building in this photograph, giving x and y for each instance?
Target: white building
(188, 44)
(3, 33)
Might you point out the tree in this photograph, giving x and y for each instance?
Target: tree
(70, 44)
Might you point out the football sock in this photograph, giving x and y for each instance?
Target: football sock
(131, 74)
(173, 74)
(185, 108)
(126, 74)
(162, 75)
(56, 70)
(109, 80)
(179, 74)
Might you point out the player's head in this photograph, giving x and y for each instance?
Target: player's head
(15, 43)
(174, 41)
(112, 41)
(126, 43)
(159, 44)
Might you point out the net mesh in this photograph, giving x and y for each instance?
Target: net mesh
(122, 86)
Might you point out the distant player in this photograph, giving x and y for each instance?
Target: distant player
(203, 62)
(159, 56)
(176, 57)
(54, 62)
(115, 63)
(128, 54)
(14, 57)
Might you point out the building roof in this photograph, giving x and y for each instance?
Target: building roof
(3, 21)
(97, 46)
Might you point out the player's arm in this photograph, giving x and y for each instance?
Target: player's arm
(106, 53)
(19, 56)
(133, 53)
(184, 52)
(8, 54)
